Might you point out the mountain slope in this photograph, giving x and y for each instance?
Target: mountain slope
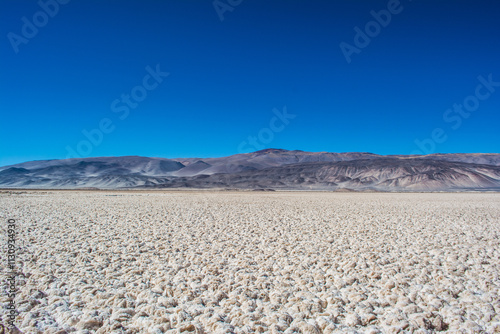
(270, 168)
(270, 158)
(385, 174)
(113, 165)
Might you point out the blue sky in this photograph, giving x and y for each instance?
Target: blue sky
(73, 75)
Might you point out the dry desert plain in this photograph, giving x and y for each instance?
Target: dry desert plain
(254, 262)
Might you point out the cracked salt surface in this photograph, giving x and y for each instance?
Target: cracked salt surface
(243, 262)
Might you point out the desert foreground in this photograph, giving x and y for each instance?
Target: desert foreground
(252, 262)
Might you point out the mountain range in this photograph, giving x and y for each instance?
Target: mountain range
(266, 169)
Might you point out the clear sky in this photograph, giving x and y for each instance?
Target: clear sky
(89, 78)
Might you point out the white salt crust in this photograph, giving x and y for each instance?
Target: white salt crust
(245, 262)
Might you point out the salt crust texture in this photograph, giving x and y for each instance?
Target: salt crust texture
(243, 262)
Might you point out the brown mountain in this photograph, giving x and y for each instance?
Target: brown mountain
(270, 168)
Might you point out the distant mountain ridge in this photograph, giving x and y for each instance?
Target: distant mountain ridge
(269, 168)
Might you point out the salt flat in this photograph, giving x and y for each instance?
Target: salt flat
(249, 262)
